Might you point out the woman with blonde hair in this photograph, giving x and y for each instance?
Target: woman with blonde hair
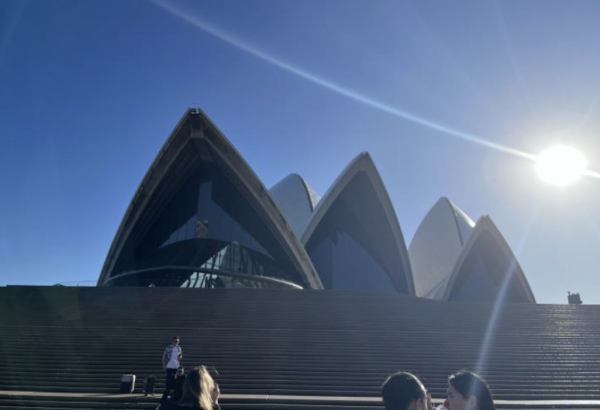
(199, 392)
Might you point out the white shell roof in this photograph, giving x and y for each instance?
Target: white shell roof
(436, 246)
(297, 200)
(364, 163)
(485, 225)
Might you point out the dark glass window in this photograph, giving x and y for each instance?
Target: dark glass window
(484, 272)
(208, 224)
(353, 246)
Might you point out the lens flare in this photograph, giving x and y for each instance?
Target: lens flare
(561, 165)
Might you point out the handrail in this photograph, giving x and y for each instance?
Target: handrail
(273, 282)
(77, 283)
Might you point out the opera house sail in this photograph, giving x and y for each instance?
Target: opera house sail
(455, 259)
(487, 270)
(436, 246)
(202, 218)
(297, 199)
(354, 238)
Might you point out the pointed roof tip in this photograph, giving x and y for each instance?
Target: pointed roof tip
(362, 158)
(293, 175)
(458, 212)
(366, 156)
(443, 201)
(362, 161)
(310, 191)
(288, 177)
(485, 220)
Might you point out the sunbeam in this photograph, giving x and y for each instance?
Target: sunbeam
(501, 300)
(590, 173)
(229, 39)
(338, 88)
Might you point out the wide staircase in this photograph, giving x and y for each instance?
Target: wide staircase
(63, 347)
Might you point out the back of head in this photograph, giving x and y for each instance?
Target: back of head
(469, 384)
(401, 389)
(197, 388)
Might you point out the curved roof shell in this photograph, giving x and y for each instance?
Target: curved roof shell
(297, 199)
(436, 246)
(196, 139)
(487, 269)
(360, 193)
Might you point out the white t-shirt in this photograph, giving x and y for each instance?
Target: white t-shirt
(174, 362)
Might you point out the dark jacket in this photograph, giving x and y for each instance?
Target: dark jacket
(173, 405)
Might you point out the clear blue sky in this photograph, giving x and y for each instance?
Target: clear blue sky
(89, 92)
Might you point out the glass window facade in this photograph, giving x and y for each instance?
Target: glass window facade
(483, 274)
(353, 246)
(207, 224)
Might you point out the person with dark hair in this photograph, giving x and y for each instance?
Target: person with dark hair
(199, 392)
(467, 391)
(404, 391)
(179, 380)
(170, 360)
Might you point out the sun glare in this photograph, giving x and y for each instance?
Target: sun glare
(561, 165)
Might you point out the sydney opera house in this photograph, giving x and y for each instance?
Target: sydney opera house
(201, 218)
(300, 301)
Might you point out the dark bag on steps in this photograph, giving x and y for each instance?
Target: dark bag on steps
(149, 385)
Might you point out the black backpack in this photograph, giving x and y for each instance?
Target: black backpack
(149, 385)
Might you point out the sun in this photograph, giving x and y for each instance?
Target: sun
(561, 165)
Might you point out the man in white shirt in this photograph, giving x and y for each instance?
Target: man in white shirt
(171, 357)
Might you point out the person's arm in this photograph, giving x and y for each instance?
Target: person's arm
(180, 353)
(164, 359)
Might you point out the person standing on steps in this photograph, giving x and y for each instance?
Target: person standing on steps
(171, 357)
